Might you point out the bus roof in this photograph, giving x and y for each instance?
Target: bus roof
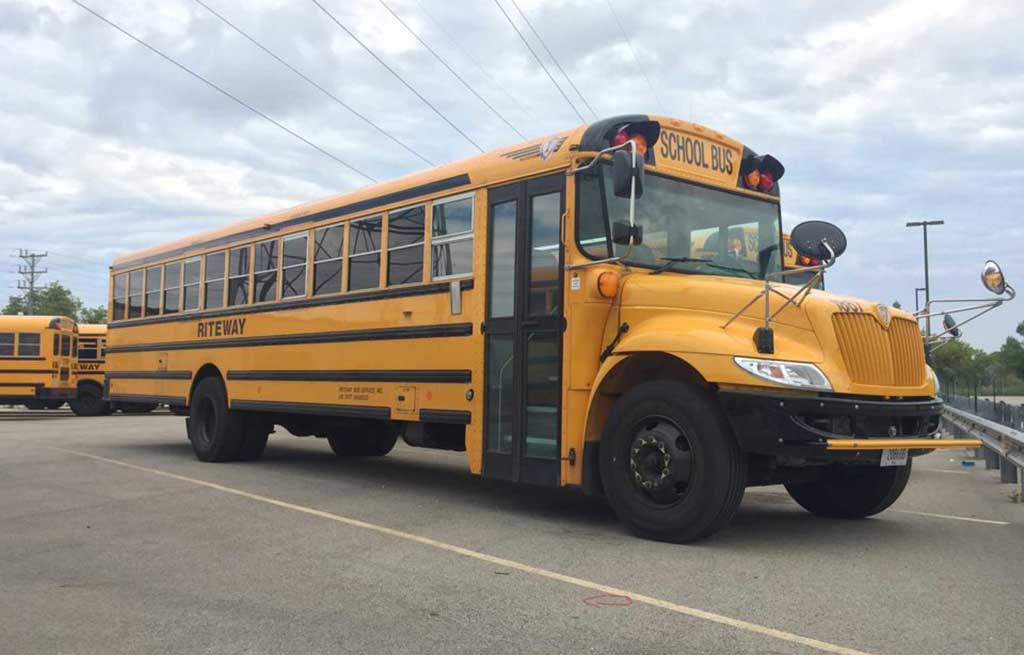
(35, 323)
(554, 151)
(92, 329)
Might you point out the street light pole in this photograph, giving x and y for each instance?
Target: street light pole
(927, 285)
(917, 298)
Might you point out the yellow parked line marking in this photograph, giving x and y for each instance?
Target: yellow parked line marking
(720, 619)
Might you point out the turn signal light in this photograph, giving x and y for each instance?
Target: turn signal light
(640, 140)
(608, 284)
(753, 179)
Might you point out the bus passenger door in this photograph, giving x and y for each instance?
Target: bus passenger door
(523, 331)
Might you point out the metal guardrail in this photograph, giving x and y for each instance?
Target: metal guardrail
(1004, 444)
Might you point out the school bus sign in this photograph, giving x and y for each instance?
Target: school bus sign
(698, 154)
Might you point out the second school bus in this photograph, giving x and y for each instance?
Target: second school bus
(37, 360)
(508, 306)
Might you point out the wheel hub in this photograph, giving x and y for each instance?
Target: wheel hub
(660, 460)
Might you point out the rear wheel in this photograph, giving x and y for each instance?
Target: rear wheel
(365, 439)
(852, 492)
(35, 404)
(216, 432)
(89, 402)
(54, 404)
(670, 466)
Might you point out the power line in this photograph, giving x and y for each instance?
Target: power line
(535, 56)
(552, 55)
(312, 82)
(222, 91)
(30, 272)
(393, 72)
(636, 62)
(465, 53)
(450, 69)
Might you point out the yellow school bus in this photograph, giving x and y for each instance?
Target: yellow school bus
(541, 308)
(90, 368)
(37, 360)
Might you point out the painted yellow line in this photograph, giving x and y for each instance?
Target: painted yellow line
(963, 472)
(720, 619)
(951, 517)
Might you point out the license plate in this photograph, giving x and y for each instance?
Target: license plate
(894, 457)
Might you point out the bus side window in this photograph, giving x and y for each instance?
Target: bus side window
(238, 276)
(28, 344)
(213, 296)
(364, 253)
(293, 266)
(405, 245)
(190, 285)
(327, 244)
(451, 245)
(6, 344)
(135, 294)
(152, 305)
(117, 302)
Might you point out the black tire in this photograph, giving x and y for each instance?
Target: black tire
(365, 439)
(216, 433)
(35, 404)
(89, 402)
(670, 466)
(257, 432)
(852, 492)
(54, 404)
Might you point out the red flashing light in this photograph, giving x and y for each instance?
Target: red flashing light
(640, 140)
(766, 182)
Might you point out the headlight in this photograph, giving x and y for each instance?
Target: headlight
(935, 378)
(790, 374)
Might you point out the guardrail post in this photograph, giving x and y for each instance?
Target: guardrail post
(991, 458)
(1007, 471)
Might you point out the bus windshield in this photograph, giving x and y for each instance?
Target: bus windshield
(708, 231)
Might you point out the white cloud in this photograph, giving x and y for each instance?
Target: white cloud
(881, 112)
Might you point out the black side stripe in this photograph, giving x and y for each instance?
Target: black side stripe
(320, 409)
(445, 416)
(351, 208)
(380, 294)
(20, 384)
(455, 376)
(381, 334)
(26, 371)
(140, 398)
(150, 375)
(21, 359)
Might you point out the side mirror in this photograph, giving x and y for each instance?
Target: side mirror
(625, 234)
(949, 325)
(810, 239)
(992, 278)
(623, 174)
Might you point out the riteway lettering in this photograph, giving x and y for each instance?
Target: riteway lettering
(221, 328)
(695, 152)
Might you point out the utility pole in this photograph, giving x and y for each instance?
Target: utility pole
(31, 272)
(927, 285)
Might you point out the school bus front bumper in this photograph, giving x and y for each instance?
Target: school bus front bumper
(833, 427)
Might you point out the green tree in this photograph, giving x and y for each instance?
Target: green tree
(56, 300)
(1011, 355)
(93, 315)
(961, 367)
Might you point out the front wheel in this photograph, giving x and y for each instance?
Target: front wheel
(89, 402)
(851, 492)
(670, 466)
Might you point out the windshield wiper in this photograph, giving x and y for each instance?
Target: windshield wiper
(710, 263)
(677, 260)
(733, 268)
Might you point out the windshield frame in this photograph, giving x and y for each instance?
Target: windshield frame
(774, 201)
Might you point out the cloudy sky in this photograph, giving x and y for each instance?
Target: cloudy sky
(882, 112)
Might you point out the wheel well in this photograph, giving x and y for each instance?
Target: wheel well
(205, 371)
(91, 383)
(641, 367)
(635, 369)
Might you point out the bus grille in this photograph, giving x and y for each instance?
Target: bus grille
(873, 355)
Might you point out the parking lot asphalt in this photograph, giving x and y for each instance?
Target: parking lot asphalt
(115, 539)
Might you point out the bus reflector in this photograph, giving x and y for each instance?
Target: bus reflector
(608, 284)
